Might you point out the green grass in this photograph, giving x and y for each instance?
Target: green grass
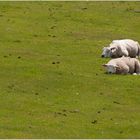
(72, 98)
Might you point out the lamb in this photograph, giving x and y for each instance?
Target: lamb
(119, 48)
(123, 65)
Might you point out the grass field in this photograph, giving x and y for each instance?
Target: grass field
(52, 83)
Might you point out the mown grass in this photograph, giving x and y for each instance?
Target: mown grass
(52, 81)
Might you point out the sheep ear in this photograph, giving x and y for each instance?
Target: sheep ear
(104, 65)
(117, 67)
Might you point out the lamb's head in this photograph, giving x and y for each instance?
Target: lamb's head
(111, 69)
(106, 52)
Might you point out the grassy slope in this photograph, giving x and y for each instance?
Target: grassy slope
(75, 98)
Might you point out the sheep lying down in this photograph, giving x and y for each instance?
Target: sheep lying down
(124, 47)
(123, 65)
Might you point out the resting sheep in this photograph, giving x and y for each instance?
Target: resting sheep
(123, 65)
(119, 48)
